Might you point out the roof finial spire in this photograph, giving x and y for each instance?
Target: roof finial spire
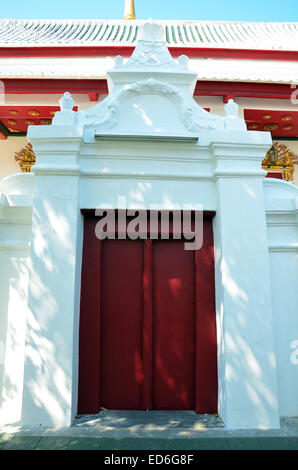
(129, 10)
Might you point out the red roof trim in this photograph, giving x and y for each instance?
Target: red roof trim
(54, 86)
(243, 89)
(111, 51)
(99, 86)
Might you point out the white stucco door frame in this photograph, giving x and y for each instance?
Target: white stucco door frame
(246, 354)
(147, 150)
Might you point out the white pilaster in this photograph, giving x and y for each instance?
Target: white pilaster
(50, 382)
(246, 354)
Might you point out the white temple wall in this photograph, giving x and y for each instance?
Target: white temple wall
(15, 236)
(282, 222)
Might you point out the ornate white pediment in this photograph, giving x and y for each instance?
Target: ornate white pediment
(112, 113)
(152, 94)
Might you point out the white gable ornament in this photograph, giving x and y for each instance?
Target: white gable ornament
(129, 83)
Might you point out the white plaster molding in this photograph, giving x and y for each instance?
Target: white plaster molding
(147, 138)
(18, 184)
(281, 188)
(12, 245)
(281, 200)
(238, 173)
(150, 157)
(16, 215)
(283, 247)
(14, 220)
(250, 145)
(145, 175)
(54, 170)
(274, 221)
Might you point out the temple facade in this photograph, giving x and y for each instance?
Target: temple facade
(113, 133)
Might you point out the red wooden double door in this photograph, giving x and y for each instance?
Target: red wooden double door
(147, 337)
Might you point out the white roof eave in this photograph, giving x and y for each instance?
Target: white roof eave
(96, 68)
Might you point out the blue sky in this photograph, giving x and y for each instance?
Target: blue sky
(238, 10)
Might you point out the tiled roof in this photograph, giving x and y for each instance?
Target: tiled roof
(213, 34)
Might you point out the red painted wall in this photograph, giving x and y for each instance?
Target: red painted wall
(274, 174)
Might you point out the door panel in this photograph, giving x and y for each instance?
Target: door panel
(173, 326)
(121, 324)
(205, 324)
(89, 332)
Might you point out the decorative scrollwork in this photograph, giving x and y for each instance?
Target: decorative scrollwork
(285, 162)
(194, 118)
(26, 158)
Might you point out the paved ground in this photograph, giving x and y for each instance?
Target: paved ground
(140, 430)
(202, 443)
